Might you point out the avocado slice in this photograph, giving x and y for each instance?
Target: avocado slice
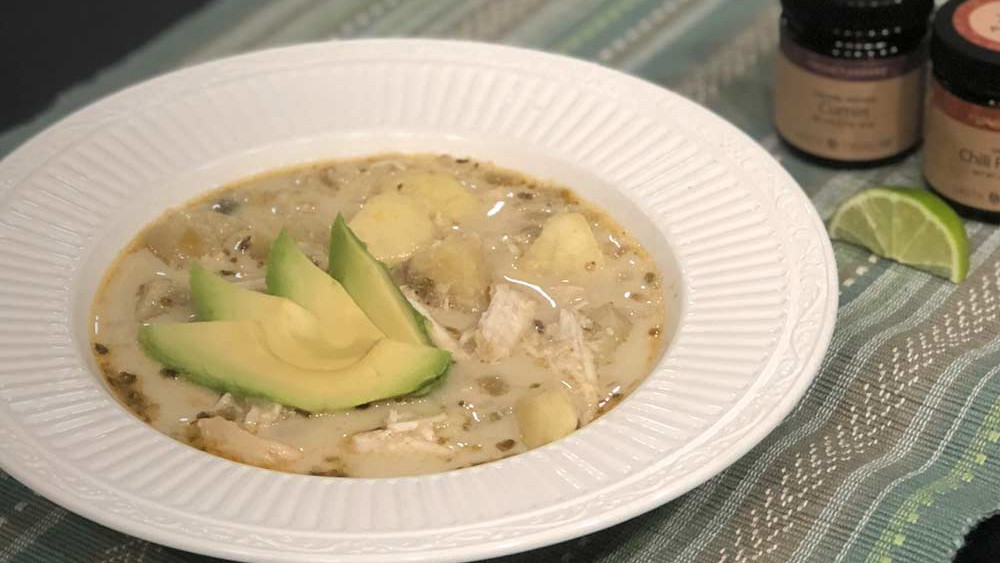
(215, 299)
(292, 275)
(429, 387)
(367, 281)
(290, 331)
(235, 356)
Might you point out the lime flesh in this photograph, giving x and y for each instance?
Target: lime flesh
(908, 225)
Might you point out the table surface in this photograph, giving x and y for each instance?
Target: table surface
(892, 455)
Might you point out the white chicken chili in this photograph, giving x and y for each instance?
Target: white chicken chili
(550, 310)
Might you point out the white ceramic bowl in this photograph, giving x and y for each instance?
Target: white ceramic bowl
(752, 303)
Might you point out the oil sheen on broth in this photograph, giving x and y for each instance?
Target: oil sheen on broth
(593, 331)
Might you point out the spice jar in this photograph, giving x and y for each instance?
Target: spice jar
(850, 78)
(962, 154)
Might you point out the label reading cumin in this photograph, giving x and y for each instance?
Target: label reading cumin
(848, 110)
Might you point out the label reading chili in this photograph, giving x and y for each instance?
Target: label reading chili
(848, 110)
(962, 150)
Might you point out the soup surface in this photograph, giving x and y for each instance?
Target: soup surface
(535, 292)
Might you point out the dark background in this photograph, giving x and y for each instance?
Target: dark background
(47, 46)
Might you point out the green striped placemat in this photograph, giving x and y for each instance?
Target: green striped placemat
(894, 452)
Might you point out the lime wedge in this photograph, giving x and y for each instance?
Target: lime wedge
(908, 225)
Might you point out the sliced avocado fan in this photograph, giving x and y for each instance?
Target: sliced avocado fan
(310, 344)
(290, 332)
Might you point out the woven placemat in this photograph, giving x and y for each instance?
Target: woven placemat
(893, 453)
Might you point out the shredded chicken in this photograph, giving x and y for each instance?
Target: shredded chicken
(505, 321)
(227, 407)
(406, 437)
(253, 419)
(607, 330)
(439, 335)
(225, 438)
(568, 353)
(580, 363)
(260, 417)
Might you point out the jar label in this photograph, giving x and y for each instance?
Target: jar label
(848, 110)
(978, 21)
(962, 150)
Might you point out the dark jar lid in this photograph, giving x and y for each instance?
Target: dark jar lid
(847, 15)
(965, 46)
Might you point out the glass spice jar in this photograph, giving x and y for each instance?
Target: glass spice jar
(962, 150)
(850, 79)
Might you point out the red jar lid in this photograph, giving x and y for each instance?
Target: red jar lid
(965, 47)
